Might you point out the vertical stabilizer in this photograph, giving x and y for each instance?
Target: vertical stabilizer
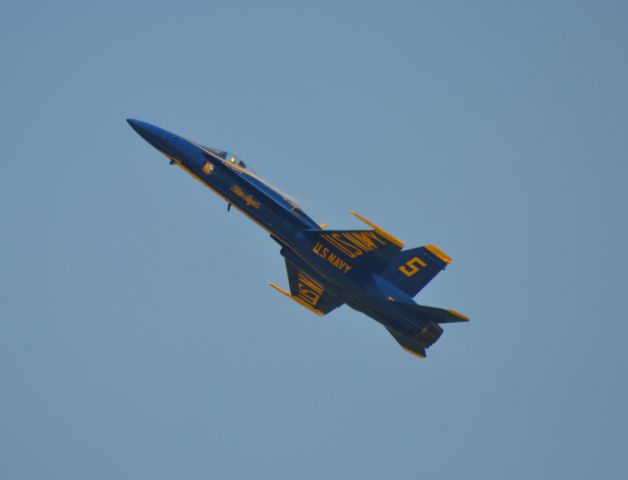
(412, 269)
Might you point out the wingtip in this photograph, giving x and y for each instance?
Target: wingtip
(439, 253)
(462, 317)
(391, 238)
(296, 299)
(416, 354)
(279, 289)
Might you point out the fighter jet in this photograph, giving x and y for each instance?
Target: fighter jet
(368, 270)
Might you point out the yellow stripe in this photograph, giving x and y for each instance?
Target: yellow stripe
(309, 307)
(418, 355)
(279, 289)
(379, 230)
(439, 253)
(296, 299)
(459, 315)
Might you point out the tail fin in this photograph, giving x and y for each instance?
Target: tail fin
(412, 269)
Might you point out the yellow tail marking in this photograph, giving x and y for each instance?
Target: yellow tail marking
(379, 230)
(411, 267)
(296, 299)
(439, 253)
(459, 315)
(418, 355)
(323, 225)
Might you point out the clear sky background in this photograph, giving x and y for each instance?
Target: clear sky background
(138, 337)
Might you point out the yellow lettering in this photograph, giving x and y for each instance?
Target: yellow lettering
(309, 290)
(354, 250)
(365, 240)
(331, 257)
(412, 266)
(345, 247)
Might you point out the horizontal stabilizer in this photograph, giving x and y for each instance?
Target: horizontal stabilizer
(433, 314)
(411, 346)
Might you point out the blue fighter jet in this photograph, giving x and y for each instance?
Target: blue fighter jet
(365, 269)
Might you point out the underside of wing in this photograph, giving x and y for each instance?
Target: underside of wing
(307, 289)
(354, 252)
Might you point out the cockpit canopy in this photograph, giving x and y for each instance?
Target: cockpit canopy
(229, 157)
(235, 160)
(259, 182)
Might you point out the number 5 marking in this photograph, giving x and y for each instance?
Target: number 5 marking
(411, 267)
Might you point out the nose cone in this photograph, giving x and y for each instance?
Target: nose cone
(137, 125)
(171, 145)
(157, 137)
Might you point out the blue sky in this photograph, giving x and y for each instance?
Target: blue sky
(138, 337)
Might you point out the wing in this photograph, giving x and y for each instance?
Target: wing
(371, 251)
(309, 290)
